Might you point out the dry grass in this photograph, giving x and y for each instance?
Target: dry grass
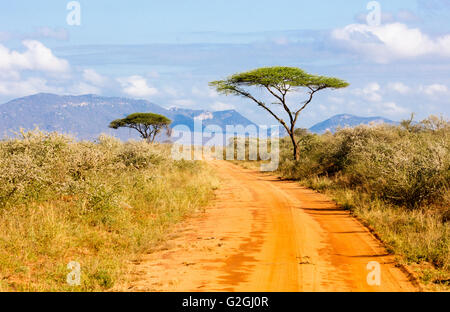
(419, 237)
(394, 178)
(99, 204)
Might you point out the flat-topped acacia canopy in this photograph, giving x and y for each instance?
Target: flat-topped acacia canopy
(282, 78)
(147, 124)
(279, 81)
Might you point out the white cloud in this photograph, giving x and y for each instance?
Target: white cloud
(26, 87)
(370, 92)
(385, 109)
(434, 89)
(388, 42)
(328, 108)
(32, 71)
(93, 77)
(171, 92)
(183, 103)
(390, 109)
(221, 106)
(37, 57)
(9, 74)
(204, 116)
(136, 86)
(399, 87)
(82, 88)
(204, 92)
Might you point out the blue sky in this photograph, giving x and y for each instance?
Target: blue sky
(167, 51)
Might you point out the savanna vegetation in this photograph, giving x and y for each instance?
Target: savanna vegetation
(148, 125)
(97, 203)
(395, 179)
(279, 82)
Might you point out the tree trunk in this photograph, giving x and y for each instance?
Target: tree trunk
(296, 149)
(296, 152)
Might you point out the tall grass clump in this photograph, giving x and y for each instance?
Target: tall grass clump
(395, 178)
(98, 203)
(408, 167)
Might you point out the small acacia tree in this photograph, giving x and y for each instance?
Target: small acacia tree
(278, 82)
(148, 125)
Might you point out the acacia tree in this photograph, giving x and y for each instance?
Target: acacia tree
(278, 82)
(148, 125)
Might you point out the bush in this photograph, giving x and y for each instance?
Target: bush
(40, 166)
(411, 171)
(99, 203)
(409, 167)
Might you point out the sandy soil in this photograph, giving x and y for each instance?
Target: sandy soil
(263, 234)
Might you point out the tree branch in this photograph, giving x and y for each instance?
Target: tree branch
(248, 95)
(135, 127)
(305, 104)
(274, 94)
(282, 100)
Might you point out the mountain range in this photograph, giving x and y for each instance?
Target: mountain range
(346, 120)
(87, 116)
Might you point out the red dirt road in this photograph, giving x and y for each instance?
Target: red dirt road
(263, 234)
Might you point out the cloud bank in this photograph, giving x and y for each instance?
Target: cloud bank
(390, 42)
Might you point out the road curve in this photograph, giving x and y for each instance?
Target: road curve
(263, 234)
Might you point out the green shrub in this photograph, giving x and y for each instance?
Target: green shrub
(99, 203)
(409, 167)
(411, 171)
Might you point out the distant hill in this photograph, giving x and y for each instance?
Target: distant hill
(87, 116)
(346, 120)
(221, 118)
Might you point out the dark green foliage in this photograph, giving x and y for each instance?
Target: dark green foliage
(279, 78)
(148, 125)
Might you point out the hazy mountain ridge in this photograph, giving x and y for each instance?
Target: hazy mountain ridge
(346, 120)
(87, 116)
(182, 116)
